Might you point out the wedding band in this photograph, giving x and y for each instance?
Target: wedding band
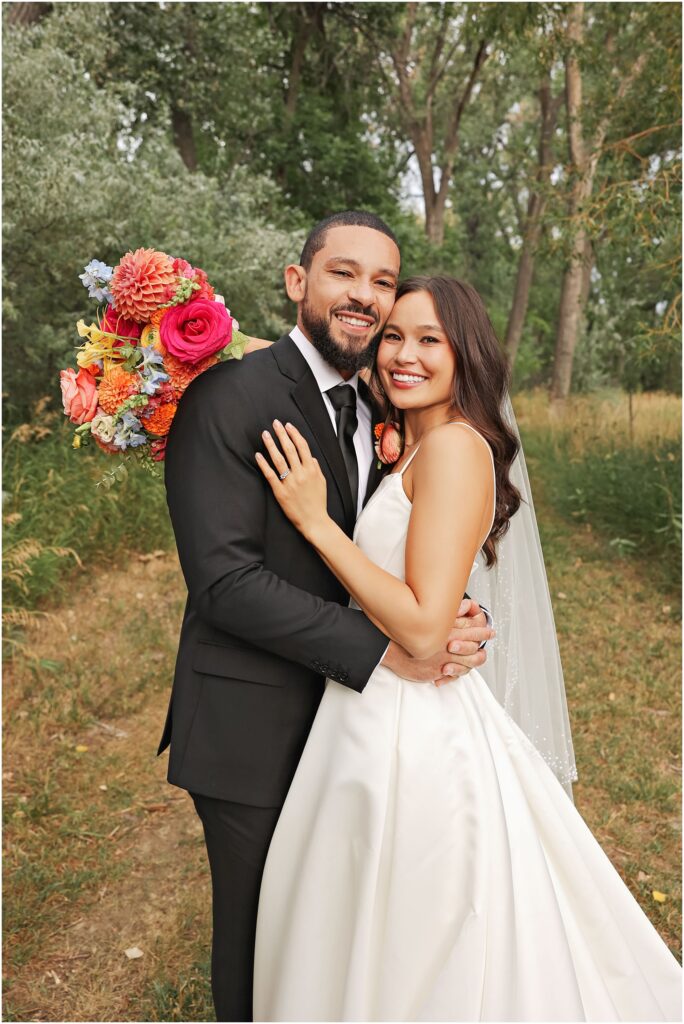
(283, 475)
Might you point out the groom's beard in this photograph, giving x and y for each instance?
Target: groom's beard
(345, 358)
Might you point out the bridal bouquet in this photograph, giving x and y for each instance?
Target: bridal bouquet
(160, 327)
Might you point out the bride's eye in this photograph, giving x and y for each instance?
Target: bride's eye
(429, 338)
(390, 336)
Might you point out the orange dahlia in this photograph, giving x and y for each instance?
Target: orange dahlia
(143, 281)
(159, 420)
(180, 374)
(115, 387)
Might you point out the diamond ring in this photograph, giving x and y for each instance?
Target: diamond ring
(286, 473)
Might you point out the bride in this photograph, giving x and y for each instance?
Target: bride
(428, 863)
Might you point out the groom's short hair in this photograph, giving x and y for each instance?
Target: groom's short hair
(347, 218)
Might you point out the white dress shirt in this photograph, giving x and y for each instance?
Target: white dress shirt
(328, 377)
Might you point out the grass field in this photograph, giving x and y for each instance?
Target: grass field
(101, 855)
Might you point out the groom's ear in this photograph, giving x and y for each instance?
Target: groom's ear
(295, 282)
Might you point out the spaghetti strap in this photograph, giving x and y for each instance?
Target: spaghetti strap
(408, 462)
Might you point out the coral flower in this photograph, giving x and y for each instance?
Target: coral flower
(180, 374)
(160, 419)
(389, 442)
(79, 395)
(142, 281)
(115, 387)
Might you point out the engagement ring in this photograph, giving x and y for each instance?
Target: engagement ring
(283, 475)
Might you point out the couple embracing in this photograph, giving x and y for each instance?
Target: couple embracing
(388, 828)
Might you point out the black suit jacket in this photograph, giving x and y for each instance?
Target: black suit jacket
(265, 620)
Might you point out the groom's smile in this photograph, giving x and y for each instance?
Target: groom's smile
(346, 294)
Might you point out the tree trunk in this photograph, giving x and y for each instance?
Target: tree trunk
(569, 312)
(300, 39)
(535, 208)
(27, 13)
(183, 137)
(521, 295)
(569, 319)
(584, 162)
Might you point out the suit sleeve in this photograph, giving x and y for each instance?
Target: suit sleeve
(217, 501)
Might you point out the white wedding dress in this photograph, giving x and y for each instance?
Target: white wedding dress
(428, 866)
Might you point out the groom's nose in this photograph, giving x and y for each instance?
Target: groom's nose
(361, 291)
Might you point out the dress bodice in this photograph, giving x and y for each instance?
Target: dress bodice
(382, 527)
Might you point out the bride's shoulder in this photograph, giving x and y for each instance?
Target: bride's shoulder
(456, 439)
(452, 451)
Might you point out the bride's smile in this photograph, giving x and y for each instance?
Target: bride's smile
(416, 363)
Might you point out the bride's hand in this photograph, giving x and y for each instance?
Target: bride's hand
(297, 483)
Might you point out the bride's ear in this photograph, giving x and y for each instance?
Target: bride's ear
(295, 282)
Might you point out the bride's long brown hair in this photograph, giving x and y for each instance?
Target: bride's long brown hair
(480, 385)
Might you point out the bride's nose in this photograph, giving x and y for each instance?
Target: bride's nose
(406, 356)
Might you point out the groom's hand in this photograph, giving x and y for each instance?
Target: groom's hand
(462, 651)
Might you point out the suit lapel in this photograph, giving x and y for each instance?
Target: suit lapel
(309, 401)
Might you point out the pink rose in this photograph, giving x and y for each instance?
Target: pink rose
(79, 395)
(114, 323)
(196, 329)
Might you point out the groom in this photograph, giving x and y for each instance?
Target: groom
(265, 621)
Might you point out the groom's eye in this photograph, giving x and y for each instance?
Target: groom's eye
(387, 284)
(342, 273)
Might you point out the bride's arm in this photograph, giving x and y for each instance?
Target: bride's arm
(452, 494)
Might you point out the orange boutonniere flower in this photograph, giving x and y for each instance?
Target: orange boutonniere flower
(389, 442)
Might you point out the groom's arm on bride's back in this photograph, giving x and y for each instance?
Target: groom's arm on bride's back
(218, 505)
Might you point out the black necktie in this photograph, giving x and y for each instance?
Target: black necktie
(343, 398)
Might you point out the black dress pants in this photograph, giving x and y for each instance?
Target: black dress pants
(237, 838)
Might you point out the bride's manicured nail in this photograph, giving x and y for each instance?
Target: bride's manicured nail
(265, 433)
(448, 671)
(277, 423)
(455, 648)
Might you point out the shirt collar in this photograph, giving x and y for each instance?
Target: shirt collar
(326, 375)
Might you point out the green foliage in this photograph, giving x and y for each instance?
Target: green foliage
(51, 501)
(220, 131)
(629, 494)
(77, 188)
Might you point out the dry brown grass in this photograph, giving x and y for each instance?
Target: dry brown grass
(90, 872)
(655, 417)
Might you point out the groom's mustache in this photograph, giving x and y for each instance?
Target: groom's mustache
(356, 307)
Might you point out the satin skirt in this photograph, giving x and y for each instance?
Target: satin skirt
(428, 866)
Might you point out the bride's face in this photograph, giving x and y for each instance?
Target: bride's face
(416, 361)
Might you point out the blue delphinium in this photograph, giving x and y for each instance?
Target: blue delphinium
(151, 377)
(126, 434)
(95, 278)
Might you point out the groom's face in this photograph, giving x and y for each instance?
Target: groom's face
(346, 295)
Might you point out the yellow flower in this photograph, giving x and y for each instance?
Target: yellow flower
(100, 348)
(76, 443)
(659, 897)
(150, 337)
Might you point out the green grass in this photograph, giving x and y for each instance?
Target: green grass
(52, 501)
(632, 495)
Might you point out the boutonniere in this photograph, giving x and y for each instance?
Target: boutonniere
(389, 442)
